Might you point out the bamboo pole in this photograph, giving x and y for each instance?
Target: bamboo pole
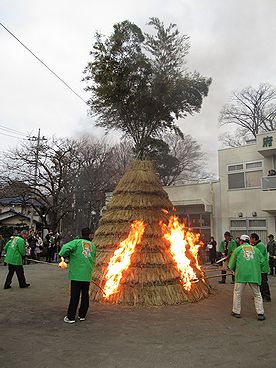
(211, 277)
(55, 264)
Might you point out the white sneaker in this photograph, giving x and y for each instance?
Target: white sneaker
(81, 319)
(67, 320)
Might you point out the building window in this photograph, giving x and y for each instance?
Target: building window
(253, 165)
(235, 167)
(248, 226)
(238, 223)
(253, 179)
(205, 219)
(195, 220)
(245, 175)
(259, 223)
(236, 181)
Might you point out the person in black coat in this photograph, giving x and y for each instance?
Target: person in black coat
(32, 244)
(212, 247)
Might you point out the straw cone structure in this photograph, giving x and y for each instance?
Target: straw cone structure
(152, 278)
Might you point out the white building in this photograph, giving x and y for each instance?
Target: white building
(198, 204)
(244, 198)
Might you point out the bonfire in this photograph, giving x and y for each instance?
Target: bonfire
(145, 255)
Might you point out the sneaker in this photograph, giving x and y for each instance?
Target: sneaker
(81, 318)
(237, 315)
(267, 300)
(25, 286)
(7, 287)
(67, 320)
(261, 317)
(221, 282)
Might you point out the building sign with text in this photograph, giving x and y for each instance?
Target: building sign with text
(267, 141)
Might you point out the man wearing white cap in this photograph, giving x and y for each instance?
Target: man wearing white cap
(247, 262)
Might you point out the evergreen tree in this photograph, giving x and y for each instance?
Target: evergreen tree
(138, 83)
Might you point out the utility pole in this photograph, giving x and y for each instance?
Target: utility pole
(37, 140)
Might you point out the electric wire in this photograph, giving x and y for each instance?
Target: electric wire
(12, 136)
(42, 62)
(10, 130)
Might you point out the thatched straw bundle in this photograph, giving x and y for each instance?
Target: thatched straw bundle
(152, 278)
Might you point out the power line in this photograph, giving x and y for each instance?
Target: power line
(12, 136)
(42, 62)
(10, 130)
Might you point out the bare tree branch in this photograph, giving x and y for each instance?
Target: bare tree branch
(253, 110)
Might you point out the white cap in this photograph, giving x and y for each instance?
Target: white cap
(244, 237)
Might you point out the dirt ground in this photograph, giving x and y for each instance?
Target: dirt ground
(33, 334)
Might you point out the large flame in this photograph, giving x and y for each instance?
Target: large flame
(195, 243)
(181, 244)
(120, 261)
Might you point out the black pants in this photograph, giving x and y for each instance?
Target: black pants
(223, 277)
(33, 255)
(265, 287)
(212, 257)
(77, 288)
(19, 273)
(49, 254)
(272, 265)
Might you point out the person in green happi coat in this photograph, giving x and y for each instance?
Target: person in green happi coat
(81, 254)
(248, 263)
(15, 250)
(265, 291)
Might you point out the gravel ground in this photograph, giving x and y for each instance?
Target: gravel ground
(33, 334)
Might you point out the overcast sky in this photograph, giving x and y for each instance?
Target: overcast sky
(232, 41)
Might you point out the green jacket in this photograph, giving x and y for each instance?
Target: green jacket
(231, 246)
(262, 248)
(248, 263)
(81, 254)
(15, 249)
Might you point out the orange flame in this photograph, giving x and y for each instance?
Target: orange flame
(182, 242)
(195, 244)
(120, 260)
(62, 264)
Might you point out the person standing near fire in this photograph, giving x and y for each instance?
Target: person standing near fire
(248, 263)
(32, 244)
(226, 248)
(212, 249)
(265, 291)
(50, 243)
(81, 254)
(271, 248)
(15, 250)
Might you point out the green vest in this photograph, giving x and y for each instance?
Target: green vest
(232, 245)
(262, 248)
(248, 263)
(81, 254)
(15, 249)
